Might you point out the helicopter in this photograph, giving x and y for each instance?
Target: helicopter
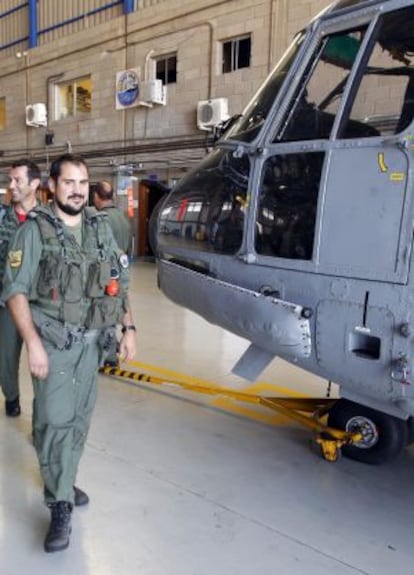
(295, 232)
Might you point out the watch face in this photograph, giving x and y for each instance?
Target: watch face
(124, 261)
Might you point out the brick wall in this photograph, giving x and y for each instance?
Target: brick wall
(194, 29)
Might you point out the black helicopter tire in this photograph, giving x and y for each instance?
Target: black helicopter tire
(384, 438)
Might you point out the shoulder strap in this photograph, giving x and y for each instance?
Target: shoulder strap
(49, 225)
(96, 219)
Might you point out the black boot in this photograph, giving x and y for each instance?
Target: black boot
(57, 537)
(12, 407)
(81, 498)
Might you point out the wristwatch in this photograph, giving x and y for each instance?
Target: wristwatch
(128, 328)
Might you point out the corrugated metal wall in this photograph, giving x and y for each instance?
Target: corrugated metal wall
(79, 14)
(14, 26)
(55, 18)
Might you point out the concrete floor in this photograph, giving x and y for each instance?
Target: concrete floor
(181, 487)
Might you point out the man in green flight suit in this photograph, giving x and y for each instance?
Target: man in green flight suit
(66, 285)
(103, 199)
(24, 182)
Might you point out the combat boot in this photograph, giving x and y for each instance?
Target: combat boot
(81, 498)
(57, 537)
(12, 407)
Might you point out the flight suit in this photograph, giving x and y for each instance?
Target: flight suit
(11, 342)
(65, 284)
(120, 226)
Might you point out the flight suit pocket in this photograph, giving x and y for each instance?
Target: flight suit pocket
(99, 274)
(72, 282)
(49, 273)
(105, 312)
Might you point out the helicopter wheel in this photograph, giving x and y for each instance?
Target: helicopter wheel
(384, 436)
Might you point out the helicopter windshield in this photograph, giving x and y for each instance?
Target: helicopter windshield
(319, 95)
(250, 122)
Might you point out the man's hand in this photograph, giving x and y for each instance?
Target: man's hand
(38, 359)
(128, 346)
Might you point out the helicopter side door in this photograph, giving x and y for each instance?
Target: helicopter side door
(365, 230)
(333, 201)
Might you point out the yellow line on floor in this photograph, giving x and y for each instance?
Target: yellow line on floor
(259, 388)
(255, 388)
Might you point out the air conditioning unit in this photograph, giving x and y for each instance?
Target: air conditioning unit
(36, 115)
(153, 91)
(212, 112)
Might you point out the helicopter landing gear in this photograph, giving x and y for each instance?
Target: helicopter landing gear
(383, 436)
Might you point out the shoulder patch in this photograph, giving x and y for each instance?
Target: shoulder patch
(15, 258)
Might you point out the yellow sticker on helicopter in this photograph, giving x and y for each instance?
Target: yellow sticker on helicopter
(381, 162)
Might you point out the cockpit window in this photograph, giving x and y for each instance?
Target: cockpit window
(319, 95)
(207, 209)
(250, 122)
(385, 97)
(286, 217)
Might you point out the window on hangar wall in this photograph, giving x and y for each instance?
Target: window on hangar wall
(73, 98)
(166, 69)
(236, 54)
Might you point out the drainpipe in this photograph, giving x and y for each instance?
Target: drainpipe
(32, 23)
(49, 134)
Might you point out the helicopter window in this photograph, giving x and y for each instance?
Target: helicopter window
(385, 99)
(285, 224)
(320, 94)
(249, 124)
(208, 207)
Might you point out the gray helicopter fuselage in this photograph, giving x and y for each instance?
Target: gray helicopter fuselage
(296, 231)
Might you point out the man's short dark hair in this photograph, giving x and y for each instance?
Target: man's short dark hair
(104, 194)
(33, 170)
(56, 167)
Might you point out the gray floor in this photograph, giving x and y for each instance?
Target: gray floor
(180, 487)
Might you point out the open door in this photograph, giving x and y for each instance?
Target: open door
(149, 194)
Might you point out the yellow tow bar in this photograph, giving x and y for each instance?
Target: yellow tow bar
(328, 438)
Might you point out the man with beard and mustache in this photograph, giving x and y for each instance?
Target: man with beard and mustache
(24, 182)
(66, 286)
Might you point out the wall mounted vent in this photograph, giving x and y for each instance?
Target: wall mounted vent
(36, 115)
(211, 112)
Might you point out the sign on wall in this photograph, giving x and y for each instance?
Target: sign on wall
(127, 93)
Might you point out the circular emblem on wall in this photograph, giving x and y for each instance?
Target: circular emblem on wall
(127, 88)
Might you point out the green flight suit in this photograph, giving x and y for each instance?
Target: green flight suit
(65, 286)
(120, 226)
(10, 340)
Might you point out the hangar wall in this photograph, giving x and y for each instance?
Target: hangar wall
(93, 40)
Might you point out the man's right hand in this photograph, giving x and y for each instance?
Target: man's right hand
(38, 359)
